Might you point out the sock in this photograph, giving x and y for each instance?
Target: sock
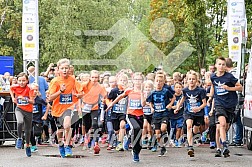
(224, 144)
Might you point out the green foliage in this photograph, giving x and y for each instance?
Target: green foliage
(63, 22)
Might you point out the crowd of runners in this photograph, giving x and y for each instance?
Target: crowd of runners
(126, 110)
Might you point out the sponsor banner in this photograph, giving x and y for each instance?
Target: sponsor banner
(236, 31)
(30, 30)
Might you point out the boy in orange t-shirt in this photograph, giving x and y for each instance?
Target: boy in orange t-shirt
(23, 97)
(62, 92)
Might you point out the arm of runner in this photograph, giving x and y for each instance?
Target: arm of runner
(210, 95)
(212, 109)
(237, 87)
(56, 94)
(116, 100)
(179, 104)
(14, 100)
(169, 106)
(46, 112)
(198, 109)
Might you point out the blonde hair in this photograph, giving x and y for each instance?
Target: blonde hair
(160, 74)
(63, 61)
(149, 82)
(94, 72)
(137, 74)
(191, 72)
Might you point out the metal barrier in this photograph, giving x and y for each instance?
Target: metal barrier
(8, 127)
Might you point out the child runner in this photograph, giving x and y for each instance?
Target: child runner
(119, 109)
(195, 98)
(224, 87)
(176, 117)
(61, 93)
(160, 100)
(93, 93)
(37, 116)
(23, 96)
(148, 87)
(135, 113)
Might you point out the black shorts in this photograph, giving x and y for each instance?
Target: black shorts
(197, 120)
(228, 113)
(117, 118)
(90, 120)
(60, 120)
(158, 121)
(148, 118)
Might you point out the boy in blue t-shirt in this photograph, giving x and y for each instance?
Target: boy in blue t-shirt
(224, 87)
(37, 117)
(160, 99)
(195, 98)
(176, 118)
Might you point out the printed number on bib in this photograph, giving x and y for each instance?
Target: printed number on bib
(66, 99)
(135, 104)
(22, 102)
(159, 107)
(35, 109)
(87, 108)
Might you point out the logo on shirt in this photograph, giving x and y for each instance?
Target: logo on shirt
(219, 88)
(192, 102)
(161, 98)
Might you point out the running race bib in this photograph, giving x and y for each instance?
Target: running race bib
(120, 108)
(190, 106)
(135, 104)
(87, 108)
(66, 99)
(220, 91)
(22, 102)
(35, 109)
(159, 107)
(147, 110)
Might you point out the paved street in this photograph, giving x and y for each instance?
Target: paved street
(175, 157)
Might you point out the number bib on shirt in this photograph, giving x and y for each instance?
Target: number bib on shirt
(66, 99)
(220, 91)
(135, 104)
(120, 108)
(22, 102)
(87, 108)
(159, 107)
(191, 105)
(147, 110)
(35, 109)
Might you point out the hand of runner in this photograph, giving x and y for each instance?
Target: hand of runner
(62, 87)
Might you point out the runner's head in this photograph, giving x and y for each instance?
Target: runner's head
(220, 64)
(137, 79)
(123, 80)
(22, 79)
(112, 81)
(148, 86)
(63, 67)
(94, 76)
(159, 80)
(178, 86)
(192, 79)
(85, 77)
(35, 88)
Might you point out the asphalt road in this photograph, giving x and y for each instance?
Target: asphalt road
(175, 157)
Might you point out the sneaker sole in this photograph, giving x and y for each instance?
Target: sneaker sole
(96, 154)
(190, 153)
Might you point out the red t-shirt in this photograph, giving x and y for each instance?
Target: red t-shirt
(24, 92)
(134, 103)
